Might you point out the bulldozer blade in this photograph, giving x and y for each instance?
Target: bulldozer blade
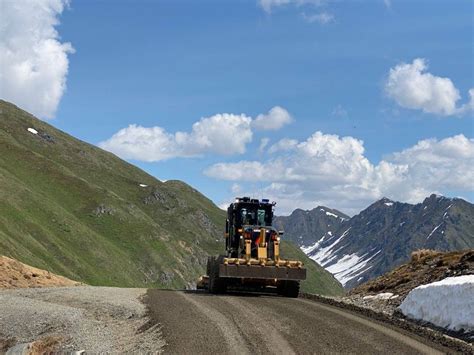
(261, 272)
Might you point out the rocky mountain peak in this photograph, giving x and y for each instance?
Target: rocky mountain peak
(383, 235)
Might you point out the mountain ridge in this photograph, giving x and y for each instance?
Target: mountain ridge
(383, 235)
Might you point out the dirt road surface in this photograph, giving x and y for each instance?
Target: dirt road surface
(194, 322)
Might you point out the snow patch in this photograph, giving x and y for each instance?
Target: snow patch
(434, 230)
(143, 185)
(309, 249)
(345, 267)
(388, 204)
(323, 254)
(349, 267)
(446, 303)
(381, 296)
(32, 130)
(331, 214)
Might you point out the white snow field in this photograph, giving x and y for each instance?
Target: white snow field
(448, 303)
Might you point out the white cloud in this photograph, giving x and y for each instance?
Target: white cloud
(282, 145)
(322, 18)
(469, 106)
(236, 189)
(267, 5)
(334, 171)
(275, 119)
(437, 165)
(222, 134)
(414, 88)
(34, 62)
(263, 144)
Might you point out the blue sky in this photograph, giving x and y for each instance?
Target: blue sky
(169, 64)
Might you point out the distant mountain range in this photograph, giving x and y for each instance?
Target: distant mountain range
(380, 237)
(76, 210)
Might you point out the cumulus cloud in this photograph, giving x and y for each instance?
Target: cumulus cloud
(284, 144)
(331, 170)
(411, 86)
(222, 134)
(275, 119)
(34, 62)
(437, 165)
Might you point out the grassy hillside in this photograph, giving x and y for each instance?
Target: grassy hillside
(76, 210)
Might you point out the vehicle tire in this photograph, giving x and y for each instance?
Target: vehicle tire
(293, 289)
(216, 284)
(289, 288)
(210, 259)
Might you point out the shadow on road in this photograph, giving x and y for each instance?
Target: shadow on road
(240, 293)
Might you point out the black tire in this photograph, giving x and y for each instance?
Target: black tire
(289, 288)
(208, 266)
(216, 284)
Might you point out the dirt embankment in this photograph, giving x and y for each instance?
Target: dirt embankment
(425, 266)
(15, 274)
(384, 294)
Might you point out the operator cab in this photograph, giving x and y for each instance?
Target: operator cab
(245, 218)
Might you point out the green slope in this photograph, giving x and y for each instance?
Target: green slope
(76, 210)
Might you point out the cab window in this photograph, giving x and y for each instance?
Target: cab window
(261, 217)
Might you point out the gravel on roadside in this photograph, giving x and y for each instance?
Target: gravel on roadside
(93, 319)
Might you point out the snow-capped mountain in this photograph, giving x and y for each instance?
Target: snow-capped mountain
(380, 237)
(302, 227)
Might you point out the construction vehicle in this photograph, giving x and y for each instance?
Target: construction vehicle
(252, 260)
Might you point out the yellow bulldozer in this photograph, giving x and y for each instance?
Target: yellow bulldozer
(252, 261)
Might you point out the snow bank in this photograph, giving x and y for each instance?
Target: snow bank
(448, 303)
(32, 130)
(381, 296)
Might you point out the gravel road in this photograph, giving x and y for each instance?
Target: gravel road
(94, 319)
(115, 320)
(196, 322)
